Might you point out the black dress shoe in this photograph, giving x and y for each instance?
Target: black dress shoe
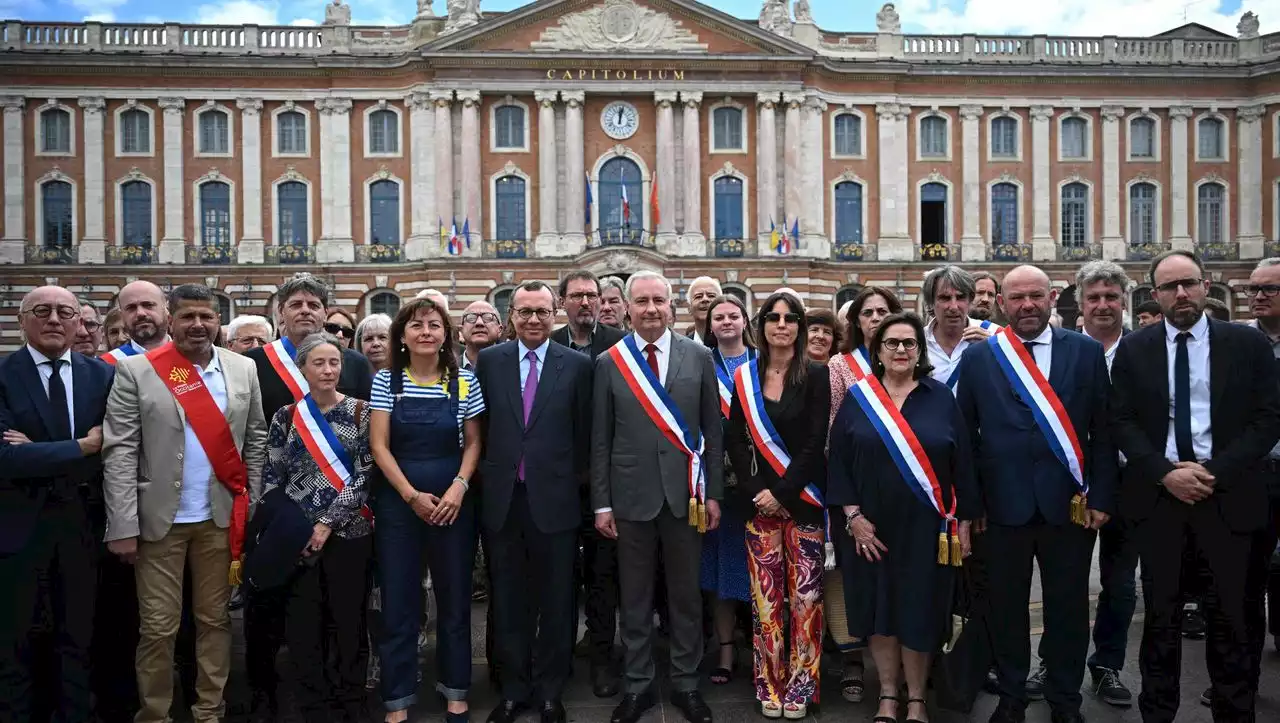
(992, 684)
(552, 712)
(604, 683)
(1008, 711)
(507, 712)
(695, 709)
(1059, 716)
(632, 707)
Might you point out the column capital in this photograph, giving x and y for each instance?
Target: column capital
(1041, 112)
(573, 98)
(1180, 111)
(249, 106)
(171, 106)
(334, 106)
(12, 103)
(545, 98)
(971, 112)
(441, 97)
(1112, 113)
(889, 112)
(815, 104)
(665, 98)
(793, 100)
(691, 98)
(94, 105)
(768, 100)
(469, 98)
(1250, 113)
(418, 100)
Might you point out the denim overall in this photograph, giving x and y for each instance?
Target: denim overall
(424, 442)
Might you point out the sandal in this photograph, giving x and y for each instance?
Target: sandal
(795, 711)
(769, 709)
(922, 702)
(852, 687)
(723, 676)
(885, 718)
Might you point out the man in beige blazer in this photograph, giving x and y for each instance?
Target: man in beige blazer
(166, 507)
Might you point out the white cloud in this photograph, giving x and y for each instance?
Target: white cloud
(303, 22)
(106, 17)
(239, 12)
(1080, 17)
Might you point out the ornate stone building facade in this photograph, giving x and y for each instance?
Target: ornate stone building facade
(618, 135)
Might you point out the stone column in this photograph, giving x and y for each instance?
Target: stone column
(1043, 247)
(548, 241)
(1112, 237)
(12, 247)
(575, 174)
(251, 247)
(692, 195)
(424, 232)
(470, 172)
(336, 243)
(973, 247)
(792, 189)
(667, 241)
(173, 243)
(895, 242)
(1249, 186)
(442, 142)
(766, 171)
(813, 216)
(1179, 233)
(93, 236)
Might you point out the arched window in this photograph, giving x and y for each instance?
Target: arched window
(1004, 214)
(384, 136)
(727, 129)
(1210, 132)
(846, 294)
(740, 293)
(384, 302)
(509, 192)
(291, 199)
(848, 212)
(225, 308)
(135, 204)
(848, 135)
(135, 131)
(1075, 210)
(1142, 213)
(1210, 198)
(215, 213)
(933, 137)
(1142, 138)
(214, 132)
(56, 209)
(728, 208)
(1068, 307)
(291, 132)
(1141, 295)
(502, 302)
(384, 212)
(508, 127)
(1075, 138)
(1004, 137)
(618, 223)
(55, 131)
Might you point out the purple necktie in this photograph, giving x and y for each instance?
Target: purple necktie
(530, 391)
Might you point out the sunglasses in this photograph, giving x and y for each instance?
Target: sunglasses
(339, 330)
(774, 317)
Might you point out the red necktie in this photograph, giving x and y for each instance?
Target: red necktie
(650, 352)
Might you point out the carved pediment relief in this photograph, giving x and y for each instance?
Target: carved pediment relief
(618, 25)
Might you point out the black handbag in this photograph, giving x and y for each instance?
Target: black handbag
(960, 668)
(278, 533)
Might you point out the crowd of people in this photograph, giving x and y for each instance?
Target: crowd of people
(812, 480)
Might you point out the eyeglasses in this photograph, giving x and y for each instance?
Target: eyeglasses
(487, 317)
(1267, 290)
(527, 313)
(1171, 287)
(339, 330)
(904, 344)
(44, 311)
(91, 325)
(774, 317)
(580, 296)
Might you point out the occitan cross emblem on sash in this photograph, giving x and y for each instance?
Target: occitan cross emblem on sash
(179, 376)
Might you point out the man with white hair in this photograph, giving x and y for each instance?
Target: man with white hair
(246, 332)
(702, 291)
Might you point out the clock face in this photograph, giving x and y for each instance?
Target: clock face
(620, 120)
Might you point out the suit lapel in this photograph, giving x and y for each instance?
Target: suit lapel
(546, 381)
(1218, 366)
(511, 370)
(677, 359)
(80, 391)
(30, 377)
(1061, 364)
(1157, 355)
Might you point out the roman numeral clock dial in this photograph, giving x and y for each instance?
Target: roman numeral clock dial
(620, 120)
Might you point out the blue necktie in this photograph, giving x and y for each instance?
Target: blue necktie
(1182, 400)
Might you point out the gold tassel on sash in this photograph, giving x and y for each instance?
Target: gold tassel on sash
(234, 575)
(702, 517)
(944, 550)
(957, 556)
(1079, 510)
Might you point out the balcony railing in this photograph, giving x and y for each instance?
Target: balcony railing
(1144, 252)
(505, 248)
(730, 248)
(621, 237)
(1080, 252)
(939, 252)
(1016, 253)
(854, 251)
(221, 253)
(290, 255)
(38, 254)
(1271, 249)
(1224, 251)
(378, 254)
(130, 255)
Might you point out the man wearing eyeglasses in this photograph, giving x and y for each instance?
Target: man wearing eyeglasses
(52, 404)
(481, 329)
(1196, 439)
(89, 336)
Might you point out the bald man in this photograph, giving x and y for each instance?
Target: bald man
(146, 320)
(52, 404)
(481, 329)
(1035, 399)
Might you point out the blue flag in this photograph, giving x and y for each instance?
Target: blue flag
(466, 231)
(587, 221)
(795, 231)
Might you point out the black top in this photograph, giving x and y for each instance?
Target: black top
(356, 380)
(800, 418)
(602, 338)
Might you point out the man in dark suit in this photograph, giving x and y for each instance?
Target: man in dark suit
(580, 298)
(1047, 470)
(642, 487)
(538, 397)
(52, 403)
(1196, 409)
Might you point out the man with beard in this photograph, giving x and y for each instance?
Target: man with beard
(113, 325)
(580, 299)
(948, 294)
(146, 320)
(481, 329)
(702, 291)
(89, 336)
(1196, 437)
(248, 332)
(613, 310)
(1035, 399)
(985, 290)
(300, 308)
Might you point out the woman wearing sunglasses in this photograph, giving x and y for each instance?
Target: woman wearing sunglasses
(341, 324)
(777, 429)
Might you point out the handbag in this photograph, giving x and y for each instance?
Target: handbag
(960, 668)
(279, 531)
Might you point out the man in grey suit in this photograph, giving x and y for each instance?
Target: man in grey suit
(641, 488)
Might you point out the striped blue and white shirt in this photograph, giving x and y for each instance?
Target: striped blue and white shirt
(470, 398)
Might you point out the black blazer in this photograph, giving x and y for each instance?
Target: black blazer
(555, 445)
(1244, 420)
(801, 419)
(356, 380)
(602, 339)
(27, 471)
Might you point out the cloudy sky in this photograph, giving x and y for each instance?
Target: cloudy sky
(1067, 17)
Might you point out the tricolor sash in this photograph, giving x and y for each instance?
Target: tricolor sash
(1051, 416)
(321, 441)
(119, 354)
(911, 460)
(986, 324)
(724, 381)
(214, 434)
(280, 354)
(858, 362)
(664, 413)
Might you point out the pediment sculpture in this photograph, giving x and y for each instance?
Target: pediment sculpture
(618, 25)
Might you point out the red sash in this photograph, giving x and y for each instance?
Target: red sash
(211, 428)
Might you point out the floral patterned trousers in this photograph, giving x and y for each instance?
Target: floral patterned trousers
(785, 561)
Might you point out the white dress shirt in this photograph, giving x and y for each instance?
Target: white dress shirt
(944, 364)
(1198, 356)
(1042, 352)
(663, 353)
(541, 353)
(197, 472)
(1109, 352)
(44, 365)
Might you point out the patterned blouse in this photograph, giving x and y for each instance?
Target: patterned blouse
(289, 463)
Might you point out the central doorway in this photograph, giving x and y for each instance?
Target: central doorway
(933, 214)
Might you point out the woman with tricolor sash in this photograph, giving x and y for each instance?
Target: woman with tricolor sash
(777, 428)
(900, 468)
(724, 549)
(318, 455)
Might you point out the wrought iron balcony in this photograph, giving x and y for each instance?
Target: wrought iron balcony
(508, 248)
(854, 251)
(39, 254)
(130, 255)
(379, 254)
(1272, 248)
(1080, 252)
(290, 255)
(1145, 252)
(621, 237)
(1016, 253)
(731, 248)
(220, 253)
(939, 252)
(1224, 251)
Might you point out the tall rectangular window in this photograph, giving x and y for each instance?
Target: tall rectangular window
(727, 129)
(848, 135)
(1075, 208)
(1142, 213)
(1075, 143)
(933, 137)
(728, 194)
(55, 131)
(214, 132)
(1004, 137)
(1210, 226)
(291, 132)
(1211, 138)
(384, 136)
(135, 131)
(508, 121)
(1142, 138)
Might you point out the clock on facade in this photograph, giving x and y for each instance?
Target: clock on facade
(620, 120)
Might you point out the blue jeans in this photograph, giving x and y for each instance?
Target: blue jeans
(1118, 565)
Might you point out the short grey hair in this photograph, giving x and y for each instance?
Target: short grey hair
(955, 277)
(302, 282)
(1272, 261)
(703, 281)
(642, 275)
(240, 322)
(371, 324)
(1096, 271)
(315, 341)
(611, 282)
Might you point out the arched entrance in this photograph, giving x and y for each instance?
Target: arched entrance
(1067, 307)
(621, 202)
